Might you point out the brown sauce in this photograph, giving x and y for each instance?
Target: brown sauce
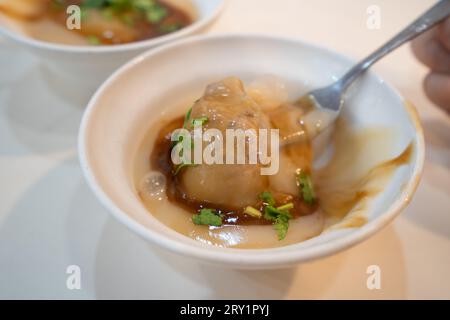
(360, 197)
(346, 190)
(160, 159)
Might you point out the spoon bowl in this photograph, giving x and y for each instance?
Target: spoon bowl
(329, 100)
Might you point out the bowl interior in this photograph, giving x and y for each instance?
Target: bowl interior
(152, 85)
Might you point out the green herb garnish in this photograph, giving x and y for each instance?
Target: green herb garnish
(156, 13)
(94, 4)
(267, 198)
(187, 117)
(143, 5)
(207, 217)
(200, 121)
(153, 11)
(184, 163)
(167, 28)
(306, 188)
(107, 13)
(57, 5)
(280, 216)
(270, 213)
(93, 40)
(119, 5)
(185, 124)
(282, 225)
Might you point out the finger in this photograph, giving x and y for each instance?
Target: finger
(437, 88)
(444, 34)
(431, 52)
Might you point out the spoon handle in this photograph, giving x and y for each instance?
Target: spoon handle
(429, 19)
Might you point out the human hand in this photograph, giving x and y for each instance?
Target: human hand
(433, 49)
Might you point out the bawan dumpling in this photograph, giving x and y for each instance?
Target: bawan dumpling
(226, 105)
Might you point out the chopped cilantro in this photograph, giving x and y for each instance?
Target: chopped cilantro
(306, 188)
(143, 5)
(93, 40)
(184, 162)
(282, 225)
(94, 4)
(270, 213)
(207, 217)
(279, 216)
(267, 198)
(167, 28)
(107, 13)
(57, 4)
(150, 9)
(200, 121)
(83, 14)
(187, 117)
(119, 5)
(155, 14)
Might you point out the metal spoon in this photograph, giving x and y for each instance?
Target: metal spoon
(328, 101)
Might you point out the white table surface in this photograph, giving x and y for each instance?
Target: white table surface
(49, 219)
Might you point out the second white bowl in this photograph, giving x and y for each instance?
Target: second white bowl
(89, 66)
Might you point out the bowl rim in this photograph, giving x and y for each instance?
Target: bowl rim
(270, 257)
(198, 24)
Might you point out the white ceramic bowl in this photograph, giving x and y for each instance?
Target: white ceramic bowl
(123, 109)
(93, 64)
